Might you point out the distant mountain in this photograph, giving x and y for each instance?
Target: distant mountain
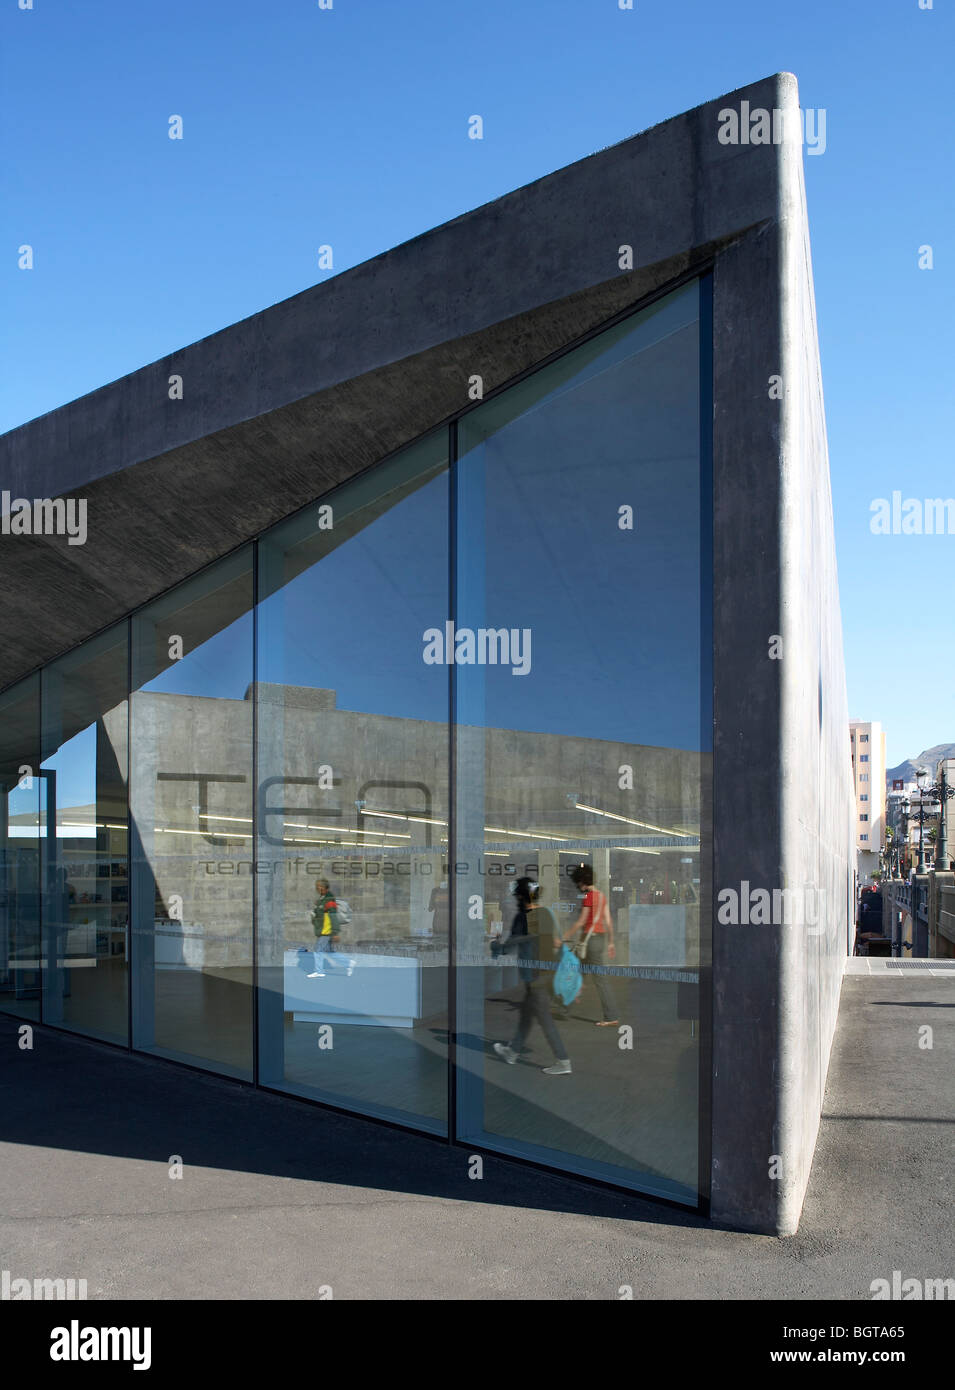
(907, 770)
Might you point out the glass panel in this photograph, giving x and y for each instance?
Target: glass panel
(191, 806)
(576, 652)
(352, 750)
(86, 882)
(21, 827)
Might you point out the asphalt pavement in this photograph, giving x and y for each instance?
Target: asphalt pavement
(280, 1199)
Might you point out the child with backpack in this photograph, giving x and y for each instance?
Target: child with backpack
(325, 924)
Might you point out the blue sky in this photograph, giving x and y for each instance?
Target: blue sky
(349, 127)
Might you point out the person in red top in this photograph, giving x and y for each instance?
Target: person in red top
(595, 924)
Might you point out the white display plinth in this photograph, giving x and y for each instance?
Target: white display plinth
(382, 992)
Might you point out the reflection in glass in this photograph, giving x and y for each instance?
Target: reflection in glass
(294, 758)
(352, 749)
(22, 815)
(191, 805)
(578, 745)
(85, 868)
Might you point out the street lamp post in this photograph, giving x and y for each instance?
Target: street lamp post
(933, 790)
(920, 776)
(944, 792)
(903, 845)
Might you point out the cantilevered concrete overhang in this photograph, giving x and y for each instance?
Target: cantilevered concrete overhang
(284, 406)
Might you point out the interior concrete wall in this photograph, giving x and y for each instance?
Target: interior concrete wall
(527, 775)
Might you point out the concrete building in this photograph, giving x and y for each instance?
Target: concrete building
(504, 554)
(867, 742)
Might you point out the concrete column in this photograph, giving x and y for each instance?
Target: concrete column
(601, 863)
(142, 856)
(55, 906)
(549, 863)
(466, 860)
(270, 893)
(468, 887)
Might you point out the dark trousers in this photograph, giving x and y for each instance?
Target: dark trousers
(535, 1008)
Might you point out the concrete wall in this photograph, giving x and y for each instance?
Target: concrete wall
(818, 799)
(783, 799)
(935, 938)
(942, 915)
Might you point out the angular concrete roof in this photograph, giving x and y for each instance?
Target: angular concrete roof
(282, 406)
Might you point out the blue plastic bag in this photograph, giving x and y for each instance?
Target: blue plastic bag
(568, 979)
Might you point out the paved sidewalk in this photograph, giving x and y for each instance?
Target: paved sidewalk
(279, 1198)
(890, 965)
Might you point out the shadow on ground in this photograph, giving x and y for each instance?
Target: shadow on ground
(72, 1094)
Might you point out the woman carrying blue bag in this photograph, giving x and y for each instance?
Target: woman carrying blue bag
(532, 932)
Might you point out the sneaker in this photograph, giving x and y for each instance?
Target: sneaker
(558, 1069)
(508, 1053)
(316, 975)
(351, 968)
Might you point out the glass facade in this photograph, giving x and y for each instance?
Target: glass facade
(84, 735)
(24, 804)
(329, 815)
(578, 493)
(352, 748)
(190, 801)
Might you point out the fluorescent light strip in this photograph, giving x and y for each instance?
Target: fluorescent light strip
(397, 815)
(165, 830)
(294, 825)
(612, 815)
(335, 844)
(391, 834)
(522, 834)
(83, 825)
